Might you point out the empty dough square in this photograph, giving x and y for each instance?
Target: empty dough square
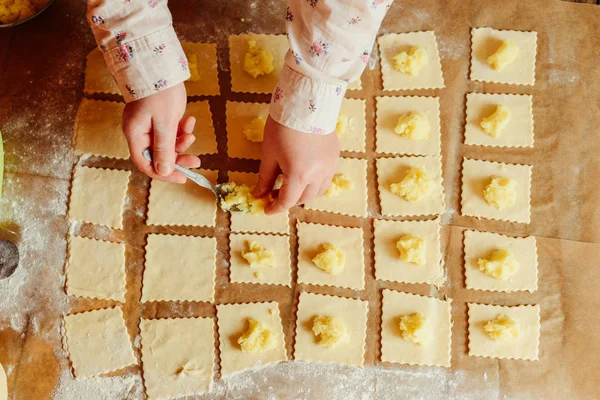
(354, 137)
(435, 349)
(485, 42)
(430, 75)
(478, 174)
(389, 266)
(524, 347)
(355, 85)
(182, 204)
(179, 268)
(238, 116)
(98, 196)
(241, 81)
(204, 131)
(389, 109)
(256, 223)
(97, 76)
(393, 170)
(482, 244)
(178, 356)
(96, 269)
(517, 133)
(232, 320)
(98, 129)
(207, 67)
(352, 313)
(98, 342)
(348, 202)
(349, 240)
(278, 274)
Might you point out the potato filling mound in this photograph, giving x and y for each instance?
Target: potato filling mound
(501, 192)
(412, 327)
(413, 126)
(502, 327)
(412, 249)
(500, 264)
(257, 61)
(416, 185)
(331, 259)
(239, 198)
(330, 331)
(257, 338)
(411, 62)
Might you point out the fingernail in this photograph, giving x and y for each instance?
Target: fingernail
(163, 169)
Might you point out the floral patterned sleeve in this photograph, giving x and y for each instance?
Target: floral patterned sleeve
(139, 45)
(330, 44)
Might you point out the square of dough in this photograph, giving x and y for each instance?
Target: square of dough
(389, 266)
(186, 204)
(435, 350)
(97, 76)
(208, 69)
(353, 202)
(356, 132)
(393, 170)
(241, 81)
(517, 133)
(355, 85)
(241, 272)
(98, 129)
(96, 269)
(429, 77)
(98, 196)
(178, 356)
(352, 312)
(232, 320)
(524, 347)
(206, 140)
(255, 223)
(98, 342)
(238, 115)
(481, 244)
(476, 176)
(389, 109)
(349, 240)
(485, 42)
(179, 268)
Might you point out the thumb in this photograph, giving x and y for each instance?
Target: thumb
(165, 135)
(267, 174)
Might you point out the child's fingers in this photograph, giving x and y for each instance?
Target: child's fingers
(288, 196)
(165, 134)
(310, 192)
(325, 185)
(183, 142)
(267, 174)
(188, 161)
(187, 124)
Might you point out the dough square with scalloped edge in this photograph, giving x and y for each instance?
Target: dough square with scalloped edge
(98, 196)
(482, 244)
(97, 76)
(179, 268)
(278, 274)
(524, 347)
(389, 109)
(232, 320)
(393, 170)
(389, 266)
(98, 129)
(354, 137)
(517, 133)
(238, 115)
(204, 131)
(355, 85)
(178, 356)
(477, 174)
(98, 342)
(182, 204)
(435, 350)
(241, 81)
(207, 66)
(352, 313)
(485, 42)
(352, 202)
(96, 269)
(429, 77)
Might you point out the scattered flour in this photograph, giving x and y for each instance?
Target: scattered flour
(128, 387)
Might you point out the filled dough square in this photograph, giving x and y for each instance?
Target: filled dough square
(393, 170)
(485, 42)
(389, 266)
(352, 313)
(98, 196)
(477, 175)
(98, 342)
(517, 133)
(524, 347)
(179, 268)
(238, 116)
(232, 320)
(178, 356)
(99, 131)
(353, 139)
(429, 77)
(481, 244)
(207, 66)
(278, 274)
(241, 81)
(96, 269)
(353, 202)
(435, 349)
(206, 140)
(186, 204)
(389, 109)
(97, 77)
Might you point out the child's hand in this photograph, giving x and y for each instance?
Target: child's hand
(155, 121)
(308, 163)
